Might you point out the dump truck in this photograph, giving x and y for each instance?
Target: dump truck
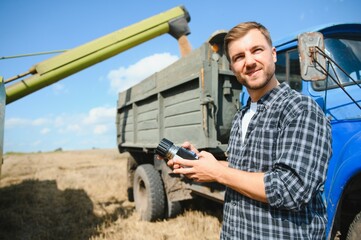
(173, 21)
(195, 100)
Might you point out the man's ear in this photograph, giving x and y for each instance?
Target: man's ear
(274, 54)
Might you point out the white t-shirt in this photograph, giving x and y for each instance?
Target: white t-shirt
(247, 118)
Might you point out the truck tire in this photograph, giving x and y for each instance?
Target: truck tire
(149, 194)
(131, 167)
(173, 208)
(354, 232)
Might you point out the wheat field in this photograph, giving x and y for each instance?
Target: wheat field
(82, 195)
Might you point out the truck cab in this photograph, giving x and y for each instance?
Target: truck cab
(339, 96)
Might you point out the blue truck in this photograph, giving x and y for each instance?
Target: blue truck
(335, 86)
(196, 98)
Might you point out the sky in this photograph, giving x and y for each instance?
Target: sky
(79, 111)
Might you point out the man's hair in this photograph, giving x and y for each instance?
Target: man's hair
(241, 30)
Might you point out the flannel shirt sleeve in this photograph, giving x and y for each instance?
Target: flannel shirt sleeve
(303, 151)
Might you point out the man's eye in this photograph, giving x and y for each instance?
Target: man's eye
(238, 58)
(258, 50)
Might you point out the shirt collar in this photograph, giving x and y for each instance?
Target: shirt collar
(274, 94)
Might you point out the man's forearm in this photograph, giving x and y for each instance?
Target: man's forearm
(250, 184)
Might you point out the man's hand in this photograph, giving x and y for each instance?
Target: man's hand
(205, 169)
(208, 169)
(171, 163)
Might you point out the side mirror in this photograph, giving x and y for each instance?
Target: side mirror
(312, 62)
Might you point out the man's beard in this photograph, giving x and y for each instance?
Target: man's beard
(255, 87)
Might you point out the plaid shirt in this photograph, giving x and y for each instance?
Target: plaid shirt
(289, 139)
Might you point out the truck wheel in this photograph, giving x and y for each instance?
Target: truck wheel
(131, 167)
(149, 195)
(173, 209)
(354, 232)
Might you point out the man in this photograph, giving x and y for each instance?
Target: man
(278, 152)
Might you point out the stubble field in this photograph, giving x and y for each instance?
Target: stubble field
(82, 195)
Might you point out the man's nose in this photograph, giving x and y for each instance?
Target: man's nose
(249, 60)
